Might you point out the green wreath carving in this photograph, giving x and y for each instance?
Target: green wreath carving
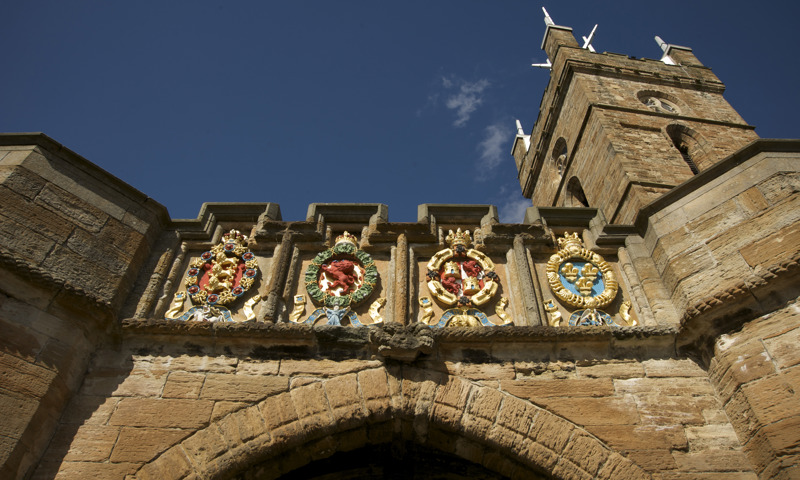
(345, 251)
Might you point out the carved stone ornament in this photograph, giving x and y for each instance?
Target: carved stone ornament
(217, 279)
(580, 278)
(463, 278)
(338, 279)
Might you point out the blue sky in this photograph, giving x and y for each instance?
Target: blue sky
(307, 101)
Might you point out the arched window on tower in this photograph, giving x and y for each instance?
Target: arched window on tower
(683, 138)
(575, 195)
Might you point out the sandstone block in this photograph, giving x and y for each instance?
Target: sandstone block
(242, 426)
(69, 470)
(250, 367)
(281, 420)
(143, 444)
(712, 437)
(27, 244)
(375, 389)
(635, 437)
(481, 371)
(663, 410)
(89, 410)
(673, 368)
(566, 469)
(619, 468)
(595, 411)
(71, 208)
(450, 402)
(782, 347)
(345, 400)
(87, 443)
(24, 378)
(191, 363)
(611, 370)
(312, 409)
(325, 368)
(183, 385)
(551, 431)
(205, 445)
(164, 413)
(21, 181)
(536, 454)
(481, 411)
(223, 408)
(537, 388)
(16, 411)
(651, 460)
(242, 387)
(664, 386)
(517, 415)
(712, 461)
(172, 464)
(586, 452)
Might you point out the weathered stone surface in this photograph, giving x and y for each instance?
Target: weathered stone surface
(324, 368)
(144, 444)
(612, 370)
(242, 387)
(595, 411)
(183, 385)
(166, 413)
(533, 389)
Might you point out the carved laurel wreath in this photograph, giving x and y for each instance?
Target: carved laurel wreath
(354, 298)
(573, 249)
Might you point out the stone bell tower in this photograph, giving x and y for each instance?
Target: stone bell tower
(616, 132)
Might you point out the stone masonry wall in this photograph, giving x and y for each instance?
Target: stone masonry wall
(756, 371)
(72, 238)
(161, 407)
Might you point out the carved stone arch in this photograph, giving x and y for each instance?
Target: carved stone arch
(691, 145)
(478, 423)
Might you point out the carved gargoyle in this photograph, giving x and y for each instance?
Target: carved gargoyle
(400, 342)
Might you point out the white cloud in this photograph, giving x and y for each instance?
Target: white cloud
(466, 100)
(494, 146)
(513, 210)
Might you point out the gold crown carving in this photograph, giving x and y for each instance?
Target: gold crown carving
(234, 236)
(346, 237)
(452, 269)
(571, 242)
(458, 238)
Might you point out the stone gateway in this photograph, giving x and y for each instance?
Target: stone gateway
(641, 323)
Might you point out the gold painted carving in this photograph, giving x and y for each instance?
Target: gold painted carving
(427, 310)
(571, 248)
(500, 310)
(176, 306)
(552, 312)
(373, 310)
(248, 307)
(299, 308)
(625, 313)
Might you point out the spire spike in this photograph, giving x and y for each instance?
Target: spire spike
(547, 20)
(665, 48)
(661, 43)
(519, 128)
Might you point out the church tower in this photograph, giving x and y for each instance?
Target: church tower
(616, 132)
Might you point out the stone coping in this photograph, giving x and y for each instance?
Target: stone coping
(406, 343)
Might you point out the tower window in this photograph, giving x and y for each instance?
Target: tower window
(683, 139)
